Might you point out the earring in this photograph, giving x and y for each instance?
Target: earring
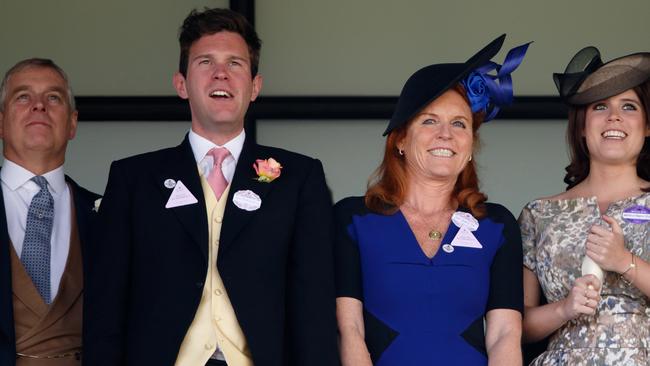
(470, 158)
(401, 152)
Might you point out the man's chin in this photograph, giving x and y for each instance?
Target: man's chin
(218, 125)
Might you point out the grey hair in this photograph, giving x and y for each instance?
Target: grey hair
(35, 62)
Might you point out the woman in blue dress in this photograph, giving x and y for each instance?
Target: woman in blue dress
(428, 272)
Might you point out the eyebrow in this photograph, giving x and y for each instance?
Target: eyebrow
(207, 55)
(435, 115)
(25, 87)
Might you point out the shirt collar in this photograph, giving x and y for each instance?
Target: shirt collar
(201, 145)
(15, 176)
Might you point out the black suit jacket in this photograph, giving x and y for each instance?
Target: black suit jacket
(84, 202)
(149, 262)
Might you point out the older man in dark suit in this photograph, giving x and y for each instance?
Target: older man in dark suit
(216, 251)
(44, 220)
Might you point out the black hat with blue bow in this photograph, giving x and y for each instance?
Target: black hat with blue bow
(485, 92)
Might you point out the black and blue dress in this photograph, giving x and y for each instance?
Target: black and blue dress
(420, 310)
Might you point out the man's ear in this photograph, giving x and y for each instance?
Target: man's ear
(73, 125)
(179, 84)
(257, 86)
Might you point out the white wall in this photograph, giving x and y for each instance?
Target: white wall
(108, 47)
(315, 47)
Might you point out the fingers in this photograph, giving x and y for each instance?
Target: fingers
(598, 249)
(586, 298)
(584, 282)
(599, 239)
(591, 293)
(595, 257)
(589, 310)
(597, 253)
(599, 230)
(582, 299)
(616, 228)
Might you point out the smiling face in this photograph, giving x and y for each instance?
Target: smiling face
(37, 117)
(615, 129)
(219, 85)
(439, 140)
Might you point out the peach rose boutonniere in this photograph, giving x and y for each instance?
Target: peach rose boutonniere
(267, 170)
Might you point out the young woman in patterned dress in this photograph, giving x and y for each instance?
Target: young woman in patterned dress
(604, 215)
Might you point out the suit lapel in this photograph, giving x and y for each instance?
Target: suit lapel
(6, 305)
(181, 167)
(82, 206)
(244, 179)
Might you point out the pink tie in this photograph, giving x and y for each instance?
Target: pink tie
(217, 181)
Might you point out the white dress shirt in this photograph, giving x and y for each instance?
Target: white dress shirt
(201, 146)
(18, 191)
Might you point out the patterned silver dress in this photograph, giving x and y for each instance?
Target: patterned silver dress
(554, 233)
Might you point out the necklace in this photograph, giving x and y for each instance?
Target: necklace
(432, 233)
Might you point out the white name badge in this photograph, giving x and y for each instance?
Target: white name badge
(169, 183)
(181, 196)
(247, 200)
(465, 238)
(464, 220)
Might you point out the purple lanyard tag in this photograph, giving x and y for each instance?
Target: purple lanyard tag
(636, 214)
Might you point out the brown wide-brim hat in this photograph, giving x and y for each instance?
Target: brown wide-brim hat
(587, 79)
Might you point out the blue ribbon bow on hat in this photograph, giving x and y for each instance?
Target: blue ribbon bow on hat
(489, 93)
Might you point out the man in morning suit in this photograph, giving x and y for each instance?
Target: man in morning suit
(199, 259)
(44, 220)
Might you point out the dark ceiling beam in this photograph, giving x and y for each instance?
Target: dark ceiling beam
(167, 108)
(245, 8)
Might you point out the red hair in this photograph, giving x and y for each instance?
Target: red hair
(387, 185)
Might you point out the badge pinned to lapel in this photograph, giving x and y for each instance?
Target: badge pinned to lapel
(169, 183)
(181, 196)
(247, 200)
(465, 238)
(465, 220)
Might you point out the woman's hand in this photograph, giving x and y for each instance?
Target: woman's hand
(607, 247)
(582, 299)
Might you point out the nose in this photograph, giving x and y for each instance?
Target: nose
(39, 105)
(220, 72)
(444, 133)
(613, 116)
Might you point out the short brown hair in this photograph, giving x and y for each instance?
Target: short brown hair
(387, 186)
(578, 168)
(210, 21)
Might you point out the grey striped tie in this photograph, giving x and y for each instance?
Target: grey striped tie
(38, 231)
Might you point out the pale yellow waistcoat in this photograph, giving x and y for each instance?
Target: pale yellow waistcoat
(215, 323)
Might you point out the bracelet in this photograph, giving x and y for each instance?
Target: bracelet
(630, 267)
